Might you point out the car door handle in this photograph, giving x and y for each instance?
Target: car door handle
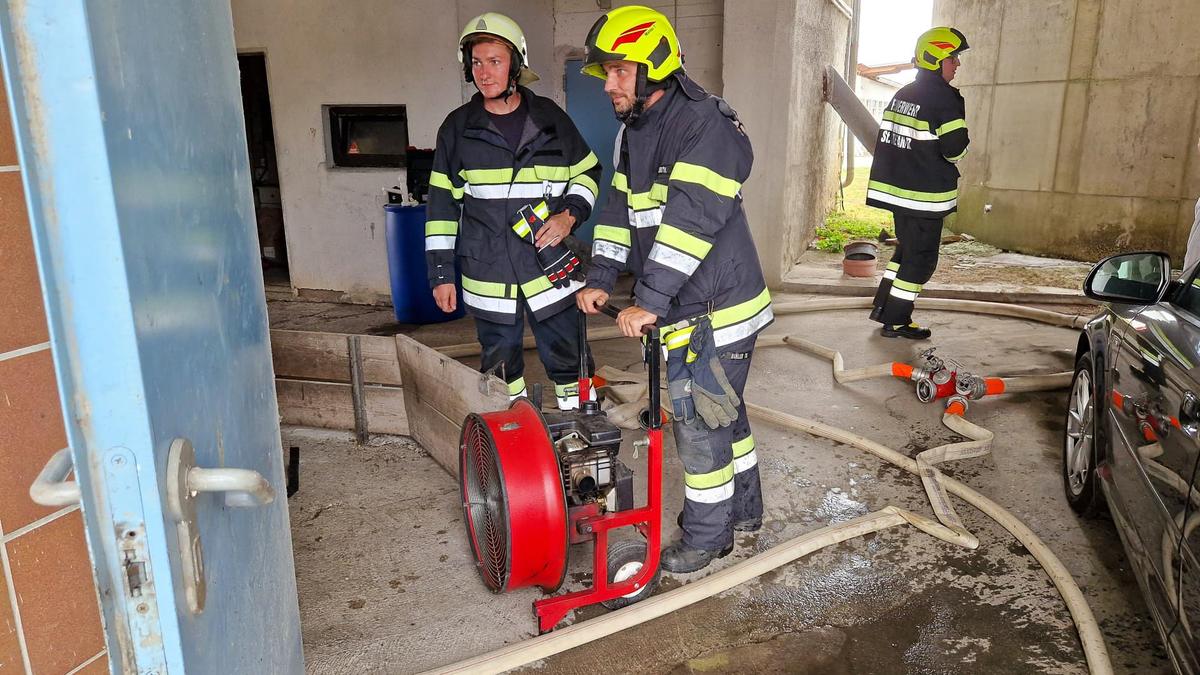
(51, 487)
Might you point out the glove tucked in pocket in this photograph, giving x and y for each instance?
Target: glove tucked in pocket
(714, 398)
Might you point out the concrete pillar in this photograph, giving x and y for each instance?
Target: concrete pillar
(775, 52)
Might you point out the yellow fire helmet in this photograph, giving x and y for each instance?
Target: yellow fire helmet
(937, 44)
(633, 33)
(496, 25)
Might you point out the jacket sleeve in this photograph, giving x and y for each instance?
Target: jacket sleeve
(612, 240)
(951, 131)
(444, 211)
(584, 174)
(702, 194)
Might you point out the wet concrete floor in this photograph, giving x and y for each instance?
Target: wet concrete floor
(387, 583)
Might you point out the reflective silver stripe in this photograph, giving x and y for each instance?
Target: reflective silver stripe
(889, 274)
(556, 188)
(674, 259)
(709, 495)
(911, 203)
(583, 191)
(498, 305)
(610, 250)
(740, 331)
(440, 243)
(901, 130)
(517, 191)
(903, 294)
(746, 461)
(547, 298)
(647, 218)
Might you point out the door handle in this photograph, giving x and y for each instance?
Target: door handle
(51, 487)
(185, 481)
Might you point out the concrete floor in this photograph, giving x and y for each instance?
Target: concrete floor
(387, 583)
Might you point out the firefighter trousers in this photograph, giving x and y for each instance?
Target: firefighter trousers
(913, 264)
(720, 466)
(557, 339)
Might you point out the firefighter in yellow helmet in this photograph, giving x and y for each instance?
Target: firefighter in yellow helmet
(675, 220)
(511, 178)
(922, 136)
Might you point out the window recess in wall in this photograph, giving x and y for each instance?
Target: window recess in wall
(367, 135)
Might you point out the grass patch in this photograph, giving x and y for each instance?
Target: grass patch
(853, 219)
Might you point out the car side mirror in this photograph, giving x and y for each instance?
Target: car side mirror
(1130, 278)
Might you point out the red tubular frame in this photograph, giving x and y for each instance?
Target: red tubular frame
(647, 519)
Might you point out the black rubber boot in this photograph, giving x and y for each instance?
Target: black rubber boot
(681, 559)
(748, 525)
(876, 312)
(912, 331)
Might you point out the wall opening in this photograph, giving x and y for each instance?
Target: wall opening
(264, 169)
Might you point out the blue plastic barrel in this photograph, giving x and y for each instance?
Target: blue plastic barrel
(404, 229)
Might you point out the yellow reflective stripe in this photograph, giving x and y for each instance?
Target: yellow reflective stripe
(907, 286)
(712, 479)
(678, 338)
(619, 235)
(741, 311)
(535, 286)
(544, 172)
(640, 200)
(586, 181)
(487, 176)
(489, 289)
(436, 227)
(721, 318)
(516, 386)
(522, 228)
(743, 447)
(677, 238)
(565, 390)
(913, 194)
(702, 175)
(584, 164)
(441, 180)
(958, 156)
(893, 116)
(952, 125)
(542, 210)
(893, 266)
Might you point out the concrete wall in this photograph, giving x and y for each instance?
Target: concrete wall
(400, 52)
(775, 52)
(1083, 119)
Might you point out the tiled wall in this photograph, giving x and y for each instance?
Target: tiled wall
(49, 620)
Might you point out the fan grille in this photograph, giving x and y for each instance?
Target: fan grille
(486, 504)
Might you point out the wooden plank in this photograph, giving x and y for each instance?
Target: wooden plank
(438, 386)
(309, 355)
(329, 405)
(437, 434)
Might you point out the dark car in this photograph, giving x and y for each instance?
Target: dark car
(1133, 419)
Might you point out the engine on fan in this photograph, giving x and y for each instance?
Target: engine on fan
(587, 445)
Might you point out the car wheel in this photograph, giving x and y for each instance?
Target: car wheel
(1080, 440)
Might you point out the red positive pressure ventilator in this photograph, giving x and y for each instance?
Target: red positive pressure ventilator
(533, 483)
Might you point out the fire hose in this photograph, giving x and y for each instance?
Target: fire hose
(937, 487)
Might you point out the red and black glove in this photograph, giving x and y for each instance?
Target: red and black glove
(557, 261)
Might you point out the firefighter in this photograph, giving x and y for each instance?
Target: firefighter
(674, 218)
(511, 178)
(922, 136)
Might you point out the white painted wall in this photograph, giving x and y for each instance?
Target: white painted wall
(398, 51)
(351, 52)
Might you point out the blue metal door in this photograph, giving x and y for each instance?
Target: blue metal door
(133, 152)
(592, 112)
